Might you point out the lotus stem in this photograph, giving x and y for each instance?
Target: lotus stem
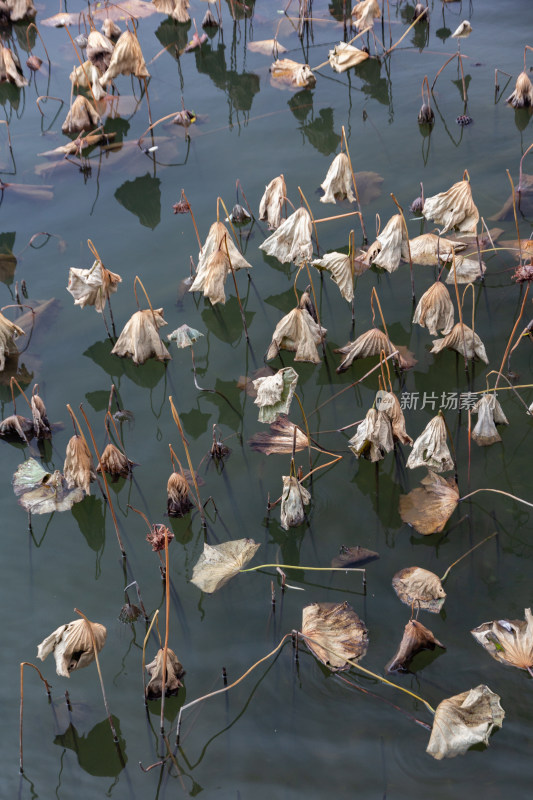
(81, 64)
(515, 326)
(496, 491)
(343, 137)
(153, 125)
(220, 200)
(515, 216)
(145, 642)
(400, 209)
(302, 195)
(243, 318)
(420, 16)
(14, 381)
(192, 217)
(467, 554)
(165, 647)
(441, 69)
(33, 25)
(47, 687)
(177, 420)
(459, 309)
(338, 216)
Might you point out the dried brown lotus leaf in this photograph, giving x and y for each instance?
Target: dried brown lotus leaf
(467, 270)
(20, 9)
(174, 672)
(10, 69)
(435, 310)
(337, 632)
(386, 251)
(338, 183)
(280, 439)
(293, 499)
(87, 76)
(353, 557)
(297, 332)
(99, 50)
(364, 14)
(16, 426)
(127, 59)
(267, 47)
(522, 97)
(373, 438)
(140, 340)
(339, 265)
(92, 287)
(292, 74)
(272, 202)
(419, 588)
(110, 30)
(489, 413)
(40, 492)
(220, 563)
(274, 393)
(291, 241)
(214, 263)
(8, 333)
(429, 249)
(454, 208)
(115, 462)
(388, 403)
(464, 340)
(371, 343)
(464, 720)
(178, 500)
(343, 57)
(41, 424)
(78, 467)
(429, 507)
(82, 116)
(177, 9)
(72, 646)
(509, 641)
(416, 637)
(430, 448)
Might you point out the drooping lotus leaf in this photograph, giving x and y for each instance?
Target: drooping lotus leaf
(42, 492)
(73, 646)
(429, 507)
(293, 499)
(174, 673)
(420, 588)
(337, 633)
(415, 637)
(464, 720)
(430, 448)
(220, 563)
(280, 439)
(275, 393)
(509, 641)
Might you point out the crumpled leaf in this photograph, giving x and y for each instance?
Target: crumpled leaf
(292, 74)
(430, 448)
(174, 673)
(293, 499)
(220, 563)
(419, 588)
(292, 239)
(10, 69)
(371, 343)
(364, 14)
(343, 56)
(8, 333)
(464, 720)
(429, 249)
(353, 556)
(416, 637)
(522, 96)
(272, 202)
(140, 340)
(177, 9)
(280, 439)
(509, 641)
(41, 492)
(275, 393)
(82, 116)
(373, 437)
(334, 627)
(388, 403)
(339, 265)
(338, 183)
(78, 468)
(184, 336)
(17, 426)
(435, 310)
(490, 413)
(467, 270)
(454, 208)
(214, 261)
(297, 332)
(386, 251)
(464, 340)
(72, 645)
(127, 59)
(92, 287)
(429, 507)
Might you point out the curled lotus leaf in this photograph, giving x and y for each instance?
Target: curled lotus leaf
(174, 673)
(429, 507)
(464, 720)
(337, 634)
(73, 646)
(416, 637)
(275, 393)
(420, 588)
(509, 641)
(220, 563)
(42, 492)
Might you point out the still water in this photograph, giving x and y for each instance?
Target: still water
(289, 730)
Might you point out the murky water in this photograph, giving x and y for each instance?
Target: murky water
(288, 730)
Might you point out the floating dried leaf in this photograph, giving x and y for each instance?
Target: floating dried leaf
(416, 637)
(16, 427)
(353, 557)
(72, 645)
(173, 674)
(334, 627)
(508, 641)
(344, 56)
(464, 720)
(429, 507)
(420, 588)
(292, 74)
(40, 492)
(280, 439)
(268, 47)
(220, 563)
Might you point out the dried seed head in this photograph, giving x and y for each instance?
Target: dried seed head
(524, 273)
(426, 115)
(78, 467)
(174, 673)
(129, 613)
(156, 537)
(416, 206)
(34, 63)
(115, 462)
(522, 97)
(178, 501)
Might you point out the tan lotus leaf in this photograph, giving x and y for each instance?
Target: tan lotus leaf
(371, 343)
(337, 632)
(92, 287)
(214, 263)
(464, 340)
(293, 499)
(115, 462)
(72, 645)
(20, 9)
(178, 500)
(87, 76)
(464, 720)
(99, 49)
(509, 641)
(275, 393)
(283, 433)
(338, 183)
(8, 333)
(10, 69)
(343, 57)
(272, 202)
(297, 332)
(127, 59)
(41, 424)
(292, 239)
(82, 116)
(429, 250)
(388, 404)
(140, 340)
(489, 413)
(172, 674)
(364, 13)
(293, 74)
(453, 208)
(522, 97)
(467, 270)
(177, 9)
(386, 251)
(17, 426)
(110, 29)
(419, 588)
(339, 265)
(267, 47)
(416, 637)
(429, 507)
(435, 310)
(42, 492)
(430, 449)
(373, 437)
(78, 468)
(220, 563)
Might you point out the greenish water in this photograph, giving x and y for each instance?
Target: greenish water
(289, 730)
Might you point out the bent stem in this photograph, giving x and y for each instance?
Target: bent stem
(467, 554)
(496, 491)
(184, 196)
(343, 137)
(47, 687)
(400, 209)
(145, 642)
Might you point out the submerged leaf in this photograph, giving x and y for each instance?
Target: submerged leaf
(509, 641)
(220, 563)
(41, 492)
(292, 74)
(429, 507)
(416, 637)
(72, 646)
(464, 720)
(419, 588)
(283, 434)
(334, 627)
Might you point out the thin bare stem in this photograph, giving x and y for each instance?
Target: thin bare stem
(420, 16)
(47, 687)
(33, 25)
(343, 135)
(165, 648)
(400, 209)
(145, 642)
(497, 491)
(467, 554)
(243, 318)
(515, 326)
(177, 420)
(193, 219)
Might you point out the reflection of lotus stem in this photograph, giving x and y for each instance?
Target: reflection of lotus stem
(471, 286)
(496, 491)
(47, 687)
(165, 648)
(145, 642)
(512, 334)
(467, 554)
(177, 420)
(226, 688)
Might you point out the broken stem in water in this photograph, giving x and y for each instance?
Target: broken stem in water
(496, 491)
(466, 554)
(47, 687)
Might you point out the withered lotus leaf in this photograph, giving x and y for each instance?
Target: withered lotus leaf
(174, 672)
(371, 343)
(218, 252)
(435, 310)
(177, 9)
(72, 646)
(268, 47)
(386, 251)
(82, 116)
(8, 333)
(293, 74)
(297, 332)
(353, 556)
(92, 287)
(184, 336)
(522, 96)
(489, 414)
(140, 340)
(388, 404)
(274, 393)
(19, 9)
(338, 181)
(127, 59)
(42, 492)
(342, 57)
(419, 588)
(429, 507)
(115, 462)
(373, 438)
(281, 438)
(339, 265)
(10, 69)
(509, 641)
(178, 500)
(429, 249)
(337, 632)
(430, 448)
(467, 270)
(364, 13)
(454, 208)
(464, 720)
(464, 340)
(220, 563)
(87, 76)
(292, 239)
(78, 468)
(416, 637)
(99, 49)
(110, 30)
(272, 202)
(16, 426)
(41, 425)
(293, 499)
